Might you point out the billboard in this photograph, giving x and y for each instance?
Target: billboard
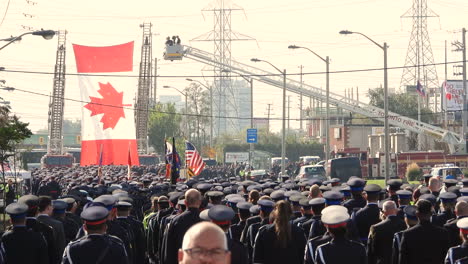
(453, 95)
(236, 157)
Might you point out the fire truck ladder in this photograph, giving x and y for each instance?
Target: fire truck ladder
(454, 141)
(144, 87)
(55, 146)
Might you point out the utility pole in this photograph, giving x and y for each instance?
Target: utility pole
(464, 116)
(289, 109)
(442, 92)
(268, 118)
(155, 80)
(300, 102)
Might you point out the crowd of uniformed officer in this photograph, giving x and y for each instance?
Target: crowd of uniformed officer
(75, 216)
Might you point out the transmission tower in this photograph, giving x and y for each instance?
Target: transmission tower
(223, 91)
(55, 146)
(144, 89)
(419, 63)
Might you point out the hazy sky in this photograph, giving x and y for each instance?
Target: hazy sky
(274, 24)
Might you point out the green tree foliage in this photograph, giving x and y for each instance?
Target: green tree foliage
(164, 122)
(198, 102)
(401, 103)
(12, 132)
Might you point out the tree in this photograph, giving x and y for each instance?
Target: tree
(404, 104)
(70, 127)
(164, 122)
(198, 102)
(12, 132)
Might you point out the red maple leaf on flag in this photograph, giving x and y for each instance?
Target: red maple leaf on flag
(110, 105)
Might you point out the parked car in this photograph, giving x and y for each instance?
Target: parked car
(312, 172)
(443, 170)
(309, 160)
(257, 175)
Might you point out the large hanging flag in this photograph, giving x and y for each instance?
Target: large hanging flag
(175, 168)
(107, 116)
(420, 89)
(168, 157)
(193, 160)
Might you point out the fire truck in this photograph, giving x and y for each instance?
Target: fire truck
(374, 167)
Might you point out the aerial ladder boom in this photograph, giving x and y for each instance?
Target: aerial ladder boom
(454, 140)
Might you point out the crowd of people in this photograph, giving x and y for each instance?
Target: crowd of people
(109, 215)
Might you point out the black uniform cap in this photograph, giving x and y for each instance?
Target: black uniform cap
(317, 201)
(294, 199)
(410, 212)
(214, 194)
(59, 206)
(448, 197)
(255, 209)
(428, 197)
(108, 200)
(95, 215)
(123, 205)
(404, 194)
(372, 188)
(244, 206)
(394, 184)
(277, 195)
(333, 198)
(221, 214)
(304, 203)
(356, 184)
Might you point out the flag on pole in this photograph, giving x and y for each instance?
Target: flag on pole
(193, 160)
(420, 89)
(175, 169)
(107, 114)
(168, 158)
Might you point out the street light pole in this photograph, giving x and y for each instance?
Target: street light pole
(386, 125)
(464, 113)
(327, 100)
(211, 107)
(187, 134)
(46, 34)
(283, 132)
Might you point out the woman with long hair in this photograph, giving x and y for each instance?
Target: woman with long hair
(280, 241)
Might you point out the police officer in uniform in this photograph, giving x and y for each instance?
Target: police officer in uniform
(222, 215)
(410, 220)
(70, 227)
(266, 206)
(339, 249)
(134, 227)
(379, 244)
(448, 201)
(32, 201)
(370, 214)
(357, 201)
(96, 246)
(20, 244)
(244, 214)
(457, 253)
(425, 238)
(461, 211)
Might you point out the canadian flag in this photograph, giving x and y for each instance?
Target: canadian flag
(107, 124)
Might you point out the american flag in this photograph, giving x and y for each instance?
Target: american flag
(420, 89)
(193, 160)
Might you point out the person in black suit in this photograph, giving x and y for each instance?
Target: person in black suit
(316, 227)
(459, 252)
(379, 245)
(306, 215)
(180, 224)
(280, 242)
(44, 216)
(250, 221)
(20, 244)
(424, 242)
(134, 227)
(370, 214)
(96, 246)
(461, 211)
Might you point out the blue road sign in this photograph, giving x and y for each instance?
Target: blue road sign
(252, 135)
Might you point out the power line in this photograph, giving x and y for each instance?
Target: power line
(219, 116)
(246, 75)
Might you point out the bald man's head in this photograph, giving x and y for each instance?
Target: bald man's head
(434, 184)
(204, 242)
(193, 198)
(461, 209)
